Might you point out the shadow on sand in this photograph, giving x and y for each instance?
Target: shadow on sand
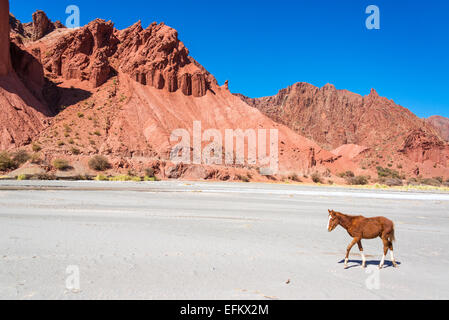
(358, 263)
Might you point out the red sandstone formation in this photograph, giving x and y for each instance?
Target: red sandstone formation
(441, 124)
(121, 93)
(5, 60)
(334, 118)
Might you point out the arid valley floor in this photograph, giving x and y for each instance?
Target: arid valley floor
(179, 240)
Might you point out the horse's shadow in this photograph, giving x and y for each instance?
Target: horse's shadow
(387, 263)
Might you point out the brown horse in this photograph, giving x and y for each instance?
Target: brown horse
(360, 228)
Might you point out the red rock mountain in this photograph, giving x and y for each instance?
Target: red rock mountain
(122, 93)
(23, 107)
(384, 132)
(441, 124)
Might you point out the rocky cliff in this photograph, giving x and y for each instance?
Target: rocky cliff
(334, 118)
(441, 124)
(5, 60)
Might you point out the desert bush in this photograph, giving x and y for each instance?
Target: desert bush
(393, 182)
(101, 177)
(430, 182)
(21, 177)
(36, 147)
(347, 174)
(294, 177)
(99, 163)
(387, 173)
(358, 180)
(243, 178)
(75, 151)
(20, 157)
(316, 177)
(6, 162)
(61, 164)
(125, 178)
(36, 158)
(147, 178)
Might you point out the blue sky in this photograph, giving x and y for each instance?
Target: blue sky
(264, 46)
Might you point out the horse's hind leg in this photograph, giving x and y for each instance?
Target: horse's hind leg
(363, 255)
(386, 246)
(390, 246)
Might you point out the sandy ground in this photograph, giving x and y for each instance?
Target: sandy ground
(177, 240)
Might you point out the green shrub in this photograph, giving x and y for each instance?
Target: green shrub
(99, 163)
(387, 173)
(316, 177)
(358, 181)
(61, 164)
(75, 151)
(347, 174)
(125, 178)
(36, 158)
(36, 147)
(6, 162)
(20, 157)
(101, 177)
(147, 178)
(243, 178)
(21, 177)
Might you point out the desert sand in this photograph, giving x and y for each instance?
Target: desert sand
(181, 240)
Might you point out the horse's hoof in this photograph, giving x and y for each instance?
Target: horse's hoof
(364, 266)
(380, 267)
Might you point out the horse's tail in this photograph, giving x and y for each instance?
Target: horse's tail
(391, 236)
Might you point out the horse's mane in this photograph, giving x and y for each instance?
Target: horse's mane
(347, 215)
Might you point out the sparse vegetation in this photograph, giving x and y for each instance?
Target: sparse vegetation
(6, 162)
(243, 178)
(147, 178)
(36, 147)
(358, 180)
(125, 178)
(316, 177)
(387, 173)
(101, 177)
(99, 163)
(347, 174)
(393, 182)
(36, 158)
(294, 177)
(75, 151)
(20, 157)
(61, 164)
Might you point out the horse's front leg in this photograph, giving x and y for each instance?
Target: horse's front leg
(363, 254)
(352, 244)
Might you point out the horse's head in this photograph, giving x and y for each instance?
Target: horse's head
(333, 221)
